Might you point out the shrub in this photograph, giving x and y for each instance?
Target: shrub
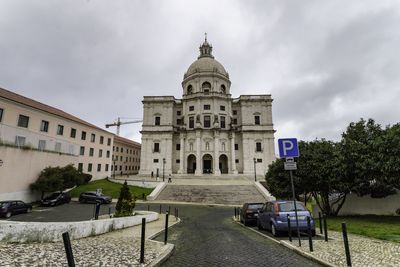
(125, 203)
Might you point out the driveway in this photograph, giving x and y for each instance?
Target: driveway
(207, 236)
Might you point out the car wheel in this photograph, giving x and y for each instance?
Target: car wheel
(81, 200)
(313, 233)
(29, 210)
(8, 214)
(273, 230)
(259, 226)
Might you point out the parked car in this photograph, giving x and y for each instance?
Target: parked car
(11, 207)
(56, 199)
(94, 197)
(274, 217)
(249, 212)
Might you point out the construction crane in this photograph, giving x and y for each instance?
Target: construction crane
(118, 123)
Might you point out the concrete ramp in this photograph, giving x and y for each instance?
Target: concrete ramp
(211, 194)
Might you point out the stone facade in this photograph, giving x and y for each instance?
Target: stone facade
(207, 131)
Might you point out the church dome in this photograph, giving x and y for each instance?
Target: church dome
(206, 62)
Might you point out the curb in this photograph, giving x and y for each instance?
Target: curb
(167, 253)
(189, 203)
(291, 247)
(163, 257)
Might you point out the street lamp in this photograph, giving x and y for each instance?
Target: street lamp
(114, 169)
(255, 174)
(163, 168)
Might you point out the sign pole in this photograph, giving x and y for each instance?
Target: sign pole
(295, 207)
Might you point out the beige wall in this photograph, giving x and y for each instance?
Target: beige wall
(355, 205)
(126, 157)
(21, 167)
(69, 145)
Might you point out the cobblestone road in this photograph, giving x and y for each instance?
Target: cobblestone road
(207, 236)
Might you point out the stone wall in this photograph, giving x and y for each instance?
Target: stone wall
(23, 232)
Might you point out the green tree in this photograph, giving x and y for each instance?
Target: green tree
(126, 202)
(53, 179)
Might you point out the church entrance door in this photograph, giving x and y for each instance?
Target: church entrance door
(191, 164)
(223, 164)
(207, 164)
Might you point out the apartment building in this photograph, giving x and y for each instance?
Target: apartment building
(34, 136)
(126, 156)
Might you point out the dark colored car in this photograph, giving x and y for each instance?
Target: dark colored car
(274, 217)
(56, 199)
(249, 212)
(94, 197)
(12, 207)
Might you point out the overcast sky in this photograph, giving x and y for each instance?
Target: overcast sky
(326, 63)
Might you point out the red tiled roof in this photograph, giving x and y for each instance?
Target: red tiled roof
(125, 140)
(43, 107)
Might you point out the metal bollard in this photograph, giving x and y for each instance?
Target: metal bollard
(142, 239)
(235, 212)
(143, 196)
(160, 209)
(346, 244)
(325, 229)
(148, 207)
(320, 222)
(166, 228)
(177, 213)
(97, 211)
(289, 228)
(169, 209)
(109, 212)
(68, 249)
(309, 234)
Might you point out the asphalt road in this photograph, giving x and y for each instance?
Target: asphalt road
(207, 236)
(74, 211)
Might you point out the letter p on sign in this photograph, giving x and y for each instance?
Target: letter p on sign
(288, 148)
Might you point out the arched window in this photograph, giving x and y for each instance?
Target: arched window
(206, 87)
(223, 89)
(189, 89)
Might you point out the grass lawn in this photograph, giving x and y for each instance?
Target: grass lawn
(380, 227)
(110, 189)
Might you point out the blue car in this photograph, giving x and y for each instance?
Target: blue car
(274, 215)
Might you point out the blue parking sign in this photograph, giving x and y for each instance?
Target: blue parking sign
(288, 148)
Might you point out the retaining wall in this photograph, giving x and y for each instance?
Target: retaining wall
(22, 232)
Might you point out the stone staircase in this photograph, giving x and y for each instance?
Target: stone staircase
(211, 194)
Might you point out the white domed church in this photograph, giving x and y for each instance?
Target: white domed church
(207, 132)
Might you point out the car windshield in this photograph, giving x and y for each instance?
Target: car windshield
(3, 204)
(54, 195)
(255, 206)
(289, 206)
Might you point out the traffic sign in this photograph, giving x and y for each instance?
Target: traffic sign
(288, 148)
(290, 166)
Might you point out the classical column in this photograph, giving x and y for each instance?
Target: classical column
(181, 155)
(217, 171)
(233, 157)
(198, 154)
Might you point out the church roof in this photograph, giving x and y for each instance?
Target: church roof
(206, 62)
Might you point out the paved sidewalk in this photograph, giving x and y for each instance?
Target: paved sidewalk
(364, 251)
(118, 248)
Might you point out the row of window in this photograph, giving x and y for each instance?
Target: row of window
(128, 151)
(127, 159)
(156, 147)
(205, 107)
(23, 121)
(91, 152)
(207, 121)
(206, 88)
(106, 167)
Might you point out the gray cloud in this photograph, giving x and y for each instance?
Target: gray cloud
(325, 63)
